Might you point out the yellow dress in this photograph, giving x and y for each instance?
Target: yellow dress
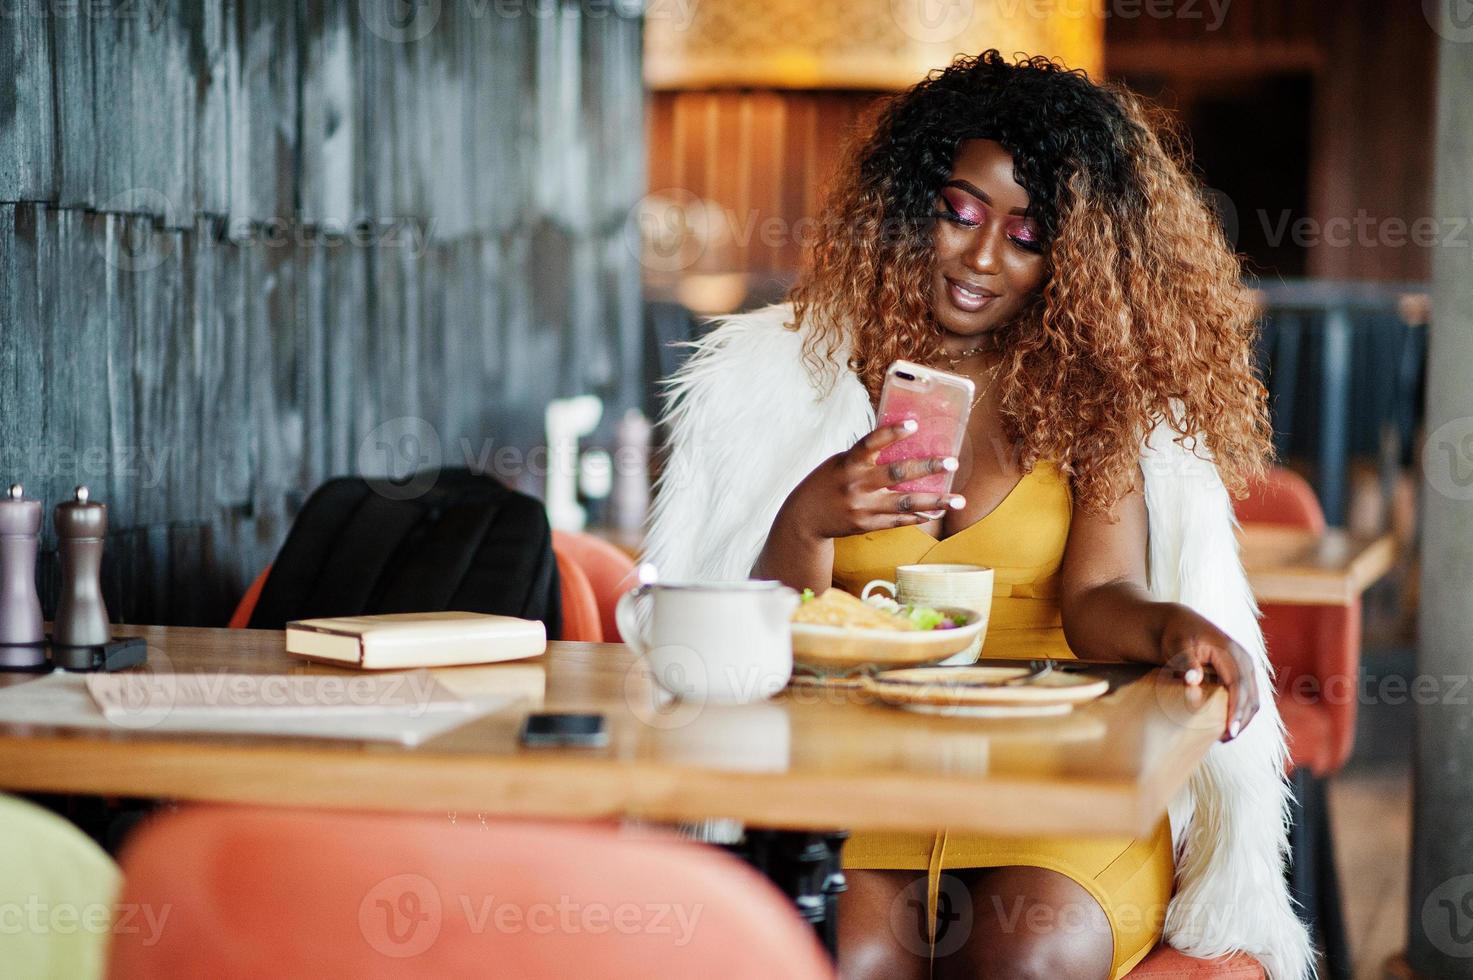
(1022, 539)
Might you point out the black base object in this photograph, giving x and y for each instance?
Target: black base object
(1314, 880)
(24, 657)
(805, 866)
(116, 654)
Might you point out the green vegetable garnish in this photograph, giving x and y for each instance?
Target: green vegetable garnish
(924, 617)
(808, 595)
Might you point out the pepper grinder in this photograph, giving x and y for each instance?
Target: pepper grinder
(81, 616)
(20, 606)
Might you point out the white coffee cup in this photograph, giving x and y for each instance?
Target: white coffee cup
(943, 584)
(715, 642)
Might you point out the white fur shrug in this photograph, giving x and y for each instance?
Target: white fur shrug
(747, 421)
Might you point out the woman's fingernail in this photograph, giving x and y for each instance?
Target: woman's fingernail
(957, 503)
(1194, 676)
(949, 464)
(1234, 728)
(909, 425)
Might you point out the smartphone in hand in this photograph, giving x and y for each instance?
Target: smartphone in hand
(939, 402)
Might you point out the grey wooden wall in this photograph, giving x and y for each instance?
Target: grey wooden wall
(246, 245)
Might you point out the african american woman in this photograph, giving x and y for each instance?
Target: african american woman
(1038, 232)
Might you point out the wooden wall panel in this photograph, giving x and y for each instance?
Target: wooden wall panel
(238, 237)
(761, 160)
(1374, 142)
(1371, 67)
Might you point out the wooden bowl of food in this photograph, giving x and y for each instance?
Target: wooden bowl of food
(837, 634)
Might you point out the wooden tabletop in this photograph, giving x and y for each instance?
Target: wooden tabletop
(812, 758)
(1295, 567)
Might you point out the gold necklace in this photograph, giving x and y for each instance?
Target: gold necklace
(991, 377)
(952, 360)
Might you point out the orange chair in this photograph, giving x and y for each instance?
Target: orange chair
(1315, 651)
(581, 620)
(609, 570)
(255, 892)
(241, 618)
(1282, 497)
(1167, 964)
(1309, 645)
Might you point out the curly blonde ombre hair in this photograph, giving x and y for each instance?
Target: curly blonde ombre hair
(1143, 315)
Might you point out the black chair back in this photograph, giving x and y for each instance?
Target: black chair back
(468, 543)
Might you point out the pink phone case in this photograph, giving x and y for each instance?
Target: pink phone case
(940, 403)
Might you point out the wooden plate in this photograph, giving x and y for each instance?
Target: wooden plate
(985, 687)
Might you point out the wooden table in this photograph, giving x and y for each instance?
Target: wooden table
(1296, 567)
(813, 758)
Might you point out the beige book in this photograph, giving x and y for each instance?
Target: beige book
(398, 640)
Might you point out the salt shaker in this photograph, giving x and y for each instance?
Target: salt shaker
(81, 616)
(20, 606)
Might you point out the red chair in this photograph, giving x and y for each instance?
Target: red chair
(580, 605)
(255, 892)
(609, 570)
(1315, 651)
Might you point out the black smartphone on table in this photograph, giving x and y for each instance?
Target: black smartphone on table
(555, 729)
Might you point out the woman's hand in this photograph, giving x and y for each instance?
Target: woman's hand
(847, 493)
(1193, 645)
